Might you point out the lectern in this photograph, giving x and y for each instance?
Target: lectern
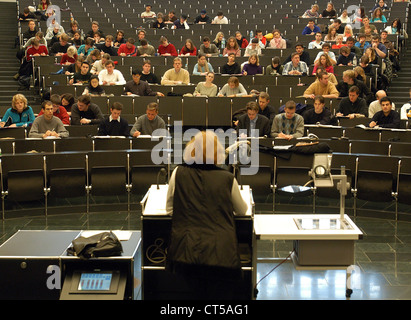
(157, 283)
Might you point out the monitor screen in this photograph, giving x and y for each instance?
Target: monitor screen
(90, 281)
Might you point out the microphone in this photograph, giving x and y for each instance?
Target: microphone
(161, 173)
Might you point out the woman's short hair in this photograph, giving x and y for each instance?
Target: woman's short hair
(204, 148)
(16, 98)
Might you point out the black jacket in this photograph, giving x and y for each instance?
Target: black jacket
(262, 124)
(203, 232)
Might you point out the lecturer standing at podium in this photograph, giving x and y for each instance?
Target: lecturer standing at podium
(203, 198)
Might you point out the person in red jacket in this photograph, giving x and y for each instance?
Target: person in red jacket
(127, 49)
(166, 49)
(58, 110)
(36, 49)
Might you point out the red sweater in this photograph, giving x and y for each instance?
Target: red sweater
(61, 113)
(169, 49)
(129, 52)
(65, 58)
(185, 51)
(32, 51)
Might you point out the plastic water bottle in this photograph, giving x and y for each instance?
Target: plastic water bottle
(223, 43)
(251, 35)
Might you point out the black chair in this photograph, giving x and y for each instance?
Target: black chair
(260, 183)
(194, 111)
(375, 178)
(22, 178)
(82, 131)
(107, 173)
(370, 147)
(73, 144)
(111, 144)
(219, 112)
(66, 175)
(404, 181)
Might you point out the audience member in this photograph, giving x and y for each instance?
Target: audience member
(253, 124)
(375, 106)
(317, 43)
(304, 55)
(242, 41)
(387, 117)
(318, 114)
(233, 88)
(321, 87)
(232, 47)
(181, 23)
(47, 125)
(107, 46)
(147, 75)
(127, 49)
(114, 124)
(19, 115)
(59, 48)
(85, 112)
(277, 42)
(231, 67)
(295, 67)
(252, 48)
(148, 123)
(165, 48)
(289, 124)
(109, 76)
(203, 18)
(220, 19)
(325, 62)
(352, 106)
(208, 48)
(275, 67)
(148, 13)
(252, 67)
(145, 49)
(176, 75)
(406, 109)
(94, 88)
(348, 81)
(265, 108)
(189, 49)
(139, 87)
(82, 77)
(311, 28)
(206, 88)
(58, 110)
(95, 27)
(202, 67)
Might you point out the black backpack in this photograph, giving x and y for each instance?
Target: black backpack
(104, 244)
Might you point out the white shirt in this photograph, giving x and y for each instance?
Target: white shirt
(116, 77)
(217, 20)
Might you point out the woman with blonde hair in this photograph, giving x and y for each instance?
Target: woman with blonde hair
(360, 74)
(253, 66)
(202, 199)
(313, 13)
(19, 115)
(69, 57)
(347, 32)
(218, 39)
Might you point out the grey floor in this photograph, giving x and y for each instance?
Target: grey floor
(382, 267)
